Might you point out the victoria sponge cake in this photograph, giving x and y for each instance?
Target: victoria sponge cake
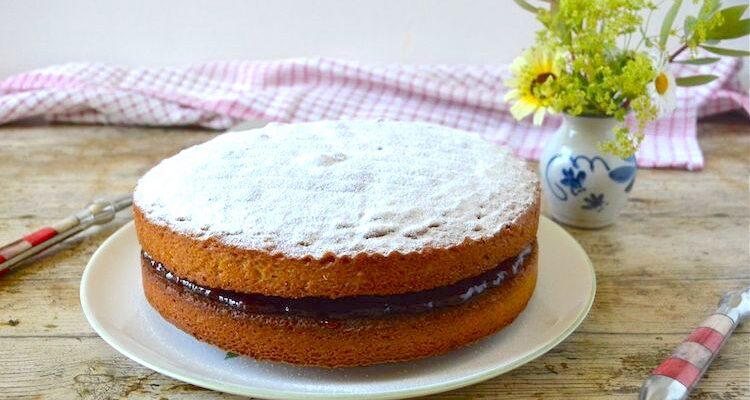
(339, 244)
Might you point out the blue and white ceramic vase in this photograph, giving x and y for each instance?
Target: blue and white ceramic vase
(583, 186)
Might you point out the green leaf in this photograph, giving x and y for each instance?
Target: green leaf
(731, 30)
(733, 13)
(732, 26)
(694, 80)
(666, 26)
(230, 355)
(699, 61)
(526, 6)
(727, 52)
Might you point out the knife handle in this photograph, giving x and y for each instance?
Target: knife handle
(99, 211)
(34, 242)
(674, 378)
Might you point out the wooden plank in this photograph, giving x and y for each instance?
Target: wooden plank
(586, 366)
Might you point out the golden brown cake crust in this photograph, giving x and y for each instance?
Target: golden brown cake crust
(214, 264)
(352, 342)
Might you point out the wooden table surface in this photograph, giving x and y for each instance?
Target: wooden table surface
(680, 244)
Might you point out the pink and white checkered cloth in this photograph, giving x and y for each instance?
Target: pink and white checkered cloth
(219, 95)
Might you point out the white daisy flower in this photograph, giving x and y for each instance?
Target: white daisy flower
(663, 89)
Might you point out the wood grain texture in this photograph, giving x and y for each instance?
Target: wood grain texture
(682, 242)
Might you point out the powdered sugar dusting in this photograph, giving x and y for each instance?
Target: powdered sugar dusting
(339, 186)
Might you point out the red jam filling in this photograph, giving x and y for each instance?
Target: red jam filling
(324, 308)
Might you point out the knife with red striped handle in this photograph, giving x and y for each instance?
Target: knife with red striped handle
(98, 212)
(674, 378)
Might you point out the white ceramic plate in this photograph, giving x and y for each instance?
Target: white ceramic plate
(113, 301)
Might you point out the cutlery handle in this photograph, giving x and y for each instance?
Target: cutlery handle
(674, 378)
(691, 358)
(98, 212)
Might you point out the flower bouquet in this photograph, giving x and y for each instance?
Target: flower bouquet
(596, 62)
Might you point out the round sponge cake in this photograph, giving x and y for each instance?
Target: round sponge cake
(339, 214)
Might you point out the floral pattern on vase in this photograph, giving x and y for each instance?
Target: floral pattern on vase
(574, 178)
(594, 202)
(574, 181)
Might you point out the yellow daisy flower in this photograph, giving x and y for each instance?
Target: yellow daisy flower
(534, 77)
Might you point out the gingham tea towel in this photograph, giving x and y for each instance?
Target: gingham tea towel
(219, 95)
